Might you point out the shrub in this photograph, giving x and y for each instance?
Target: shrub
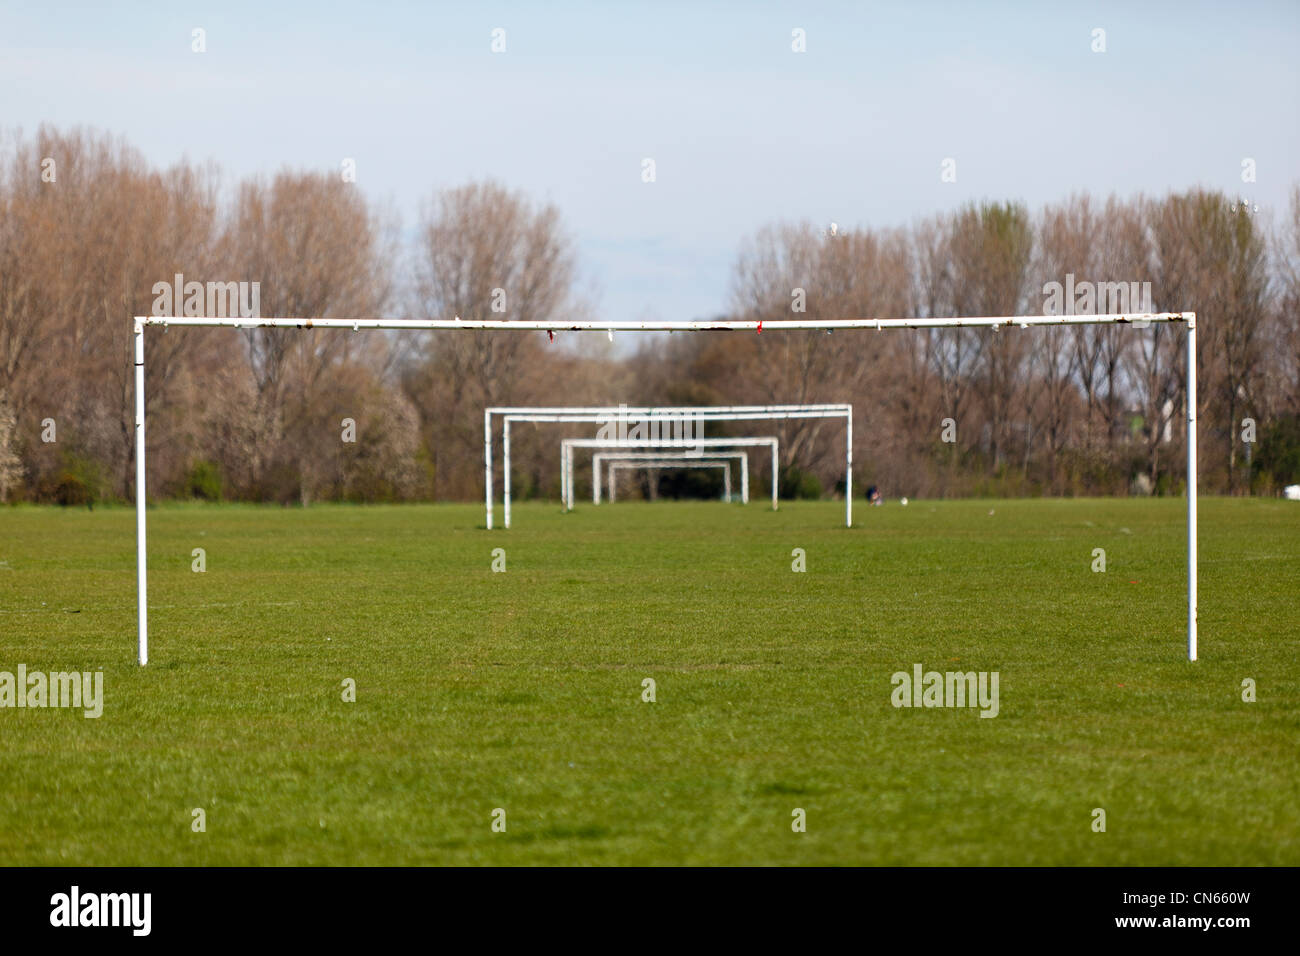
(204, 482)
(794, 483)
(78, 482)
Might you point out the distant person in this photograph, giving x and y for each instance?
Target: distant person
(873, 495)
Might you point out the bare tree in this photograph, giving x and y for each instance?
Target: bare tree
(317, 249)
(483, 253)
(1286, 332)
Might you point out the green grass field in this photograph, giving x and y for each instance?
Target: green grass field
(523, 690)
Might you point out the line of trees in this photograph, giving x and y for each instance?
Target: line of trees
(88, 227)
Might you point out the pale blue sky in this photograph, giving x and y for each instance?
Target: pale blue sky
(743, 131)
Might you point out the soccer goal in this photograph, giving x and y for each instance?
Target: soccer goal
(651, 422)
(1003, 322)
(600, 459)
(567, 496)
(619, 465)
(698, 446)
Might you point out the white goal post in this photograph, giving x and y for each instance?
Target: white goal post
(699, 446)
(656, 419)
(1007, 322)
(684, 459)
(620, 464)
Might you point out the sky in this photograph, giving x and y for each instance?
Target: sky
(743, 130)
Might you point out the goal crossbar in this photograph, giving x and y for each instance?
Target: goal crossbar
(716, 325)
(1140, 319)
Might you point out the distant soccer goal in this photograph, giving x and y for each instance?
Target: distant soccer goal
(698, 446)
(602, 459)
(650, 423)
(619, 465)
(1003, 323)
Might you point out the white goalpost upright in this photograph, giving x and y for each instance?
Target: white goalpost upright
(733, 325)
(684, 459)
(655, 419)
(698, 446)
(141, 589)
(1190, 318)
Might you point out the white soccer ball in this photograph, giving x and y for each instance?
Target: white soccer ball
(903, 502)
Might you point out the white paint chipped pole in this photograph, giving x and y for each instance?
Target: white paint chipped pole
(719, 325)
(774, 480)
(848, 471)
(141, 551)
(505, 475)
(487, 465)
(566, 482)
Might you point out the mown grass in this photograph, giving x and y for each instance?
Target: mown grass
(523, 690)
